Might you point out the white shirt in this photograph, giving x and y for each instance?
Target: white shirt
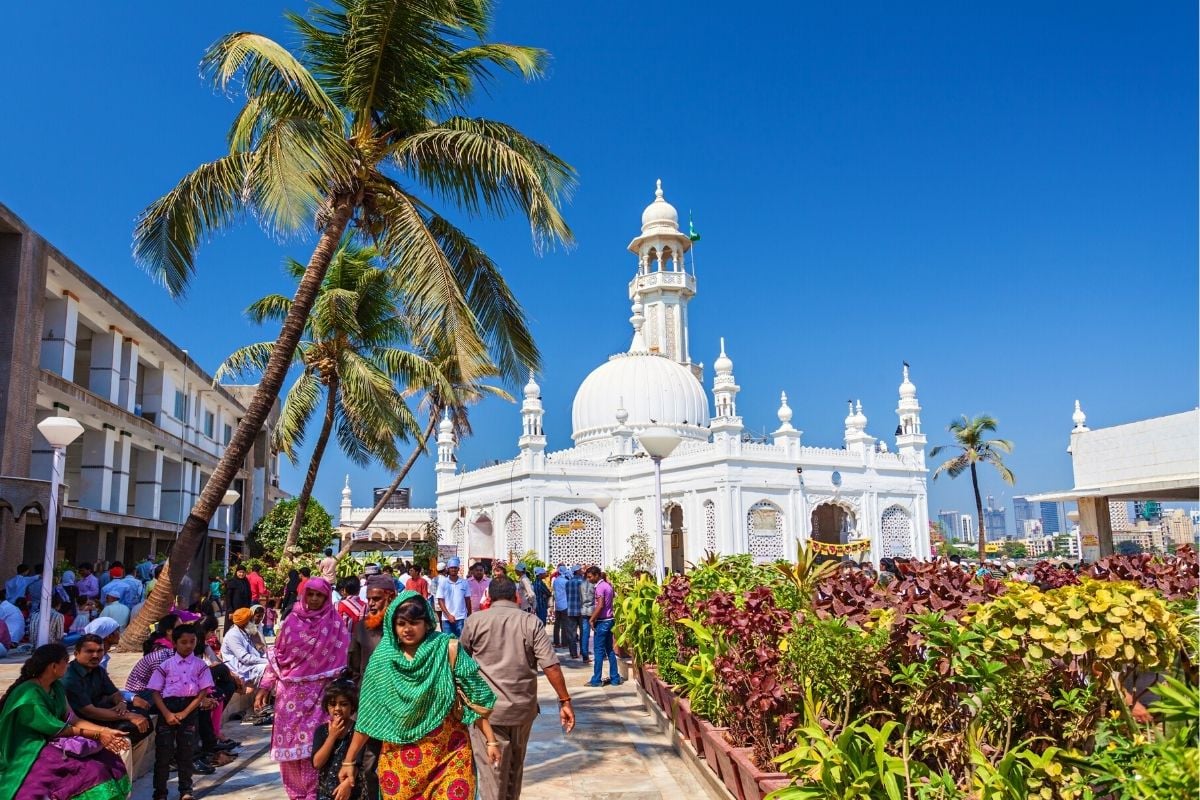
(455, 594)
(14, 620)
(117, 611)
(242, 656)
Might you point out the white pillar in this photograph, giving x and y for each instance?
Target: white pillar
(120, 481)
(147, 493)
(96, 469)
(127, 396)
(105, 376)
(60, 325)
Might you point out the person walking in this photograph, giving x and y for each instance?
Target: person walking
(291, 592)
(328, 567)
(237, 594)
(417, 682)
(525, 589)
(364, 639)
(510, 646)
(602, 625)
(559, 585)
(541, 594)
(310, 651)
(454, 599)
(587, 594)
(574, 610)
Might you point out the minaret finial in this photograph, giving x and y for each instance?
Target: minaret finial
(658, 192)
(722, 345)
(636, 319)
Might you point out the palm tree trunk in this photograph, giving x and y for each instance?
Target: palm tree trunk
(979, 514)
(314, 464)
(195, 529)
(408, 465)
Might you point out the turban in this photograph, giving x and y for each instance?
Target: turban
(241, 616)
(381, 582)
(103, 627)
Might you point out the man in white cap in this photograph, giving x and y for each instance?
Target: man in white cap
(114, 608)
(453, 599)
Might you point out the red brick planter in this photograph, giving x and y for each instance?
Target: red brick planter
(769, 785)
(718, 753)
(752, 779)
(688, 724)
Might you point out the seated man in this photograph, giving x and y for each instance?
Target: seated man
(92, 695)
(114, 608)
(239, 652)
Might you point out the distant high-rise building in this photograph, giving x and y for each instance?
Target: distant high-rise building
(1024, 510)
(949, 520)
(399, 499)
(1149, 510)
(1052, 519)
(966, 529)
(1118, 514)
(995, 524)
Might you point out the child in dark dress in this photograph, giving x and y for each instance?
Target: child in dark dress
(331, 741)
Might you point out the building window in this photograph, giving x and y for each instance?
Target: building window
(180, 406)
(764, 523)
(226, 434)
(210, 420)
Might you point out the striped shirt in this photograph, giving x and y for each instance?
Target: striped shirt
(139, 676)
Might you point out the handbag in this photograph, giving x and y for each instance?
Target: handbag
(461, 700)
(77, 746)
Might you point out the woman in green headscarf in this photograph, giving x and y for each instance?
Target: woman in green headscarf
(418, 694)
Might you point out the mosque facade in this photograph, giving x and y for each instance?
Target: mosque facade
(723, 491)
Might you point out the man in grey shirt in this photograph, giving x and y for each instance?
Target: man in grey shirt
(510, 646)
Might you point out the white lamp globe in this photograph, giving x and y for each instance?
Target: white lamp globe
(602, 500)
(60, 431)
(1073, 516)
(231, 497)
(659, 442)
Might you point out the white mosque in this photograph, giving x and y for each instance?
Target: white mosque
(721, 491)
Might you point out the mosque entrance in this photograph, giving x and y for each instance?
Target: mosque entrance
(832, 523)
(675, 532)
(482, 542)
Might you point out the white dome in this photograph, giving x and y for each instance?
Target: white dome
(660, 214)
(652, 388)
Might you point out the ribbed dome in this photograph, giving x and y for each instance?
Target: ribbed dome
(652, 388)
(660, 215)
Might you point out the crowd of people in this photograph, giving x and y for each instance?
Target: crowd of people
(386, 685)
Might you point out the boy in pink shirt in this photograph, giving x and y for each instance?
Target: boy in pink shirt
(180, 686)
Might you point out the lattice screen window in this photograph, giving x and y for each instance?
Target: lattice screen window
(576, 537)
(639, 522)
(764, 526)
(514, 535)
(710, 526)
(896, 533)
(458, 536)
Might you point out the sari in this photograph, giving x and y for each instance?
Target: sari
(411, 706)
(310, 651)
(34, 769)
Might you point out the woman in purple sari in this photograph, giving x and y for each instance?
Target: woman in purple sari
(45, 752)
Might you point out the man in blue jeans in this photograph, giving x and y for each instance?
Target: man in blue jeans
(453, 599)
(602, 623)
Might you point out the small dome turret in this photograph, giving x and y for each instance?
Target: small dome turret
(660, 214)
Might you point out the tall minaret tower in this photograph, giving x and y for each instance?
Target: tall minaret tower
(909, 439)
(533, 438)
(445, 466)
(662, 285)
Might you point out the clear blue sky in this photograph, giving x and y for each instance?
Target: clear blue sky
(1002, 194)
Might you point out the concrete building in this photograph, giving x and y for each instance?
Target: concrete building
(995, 523)
(1178, 526)
(949, 520)
(154, 423)
(967, 532)
(1152, 459)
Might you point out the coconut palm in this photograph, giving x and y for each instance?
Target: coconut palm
(349, 353)
(343, 134)
(973, 449)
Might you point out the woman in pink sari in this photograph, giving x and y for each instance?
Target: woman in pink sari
(310, 651)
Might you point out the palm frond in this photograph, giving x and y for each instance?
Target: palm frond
(245, 360)
(953, 467)
(273, 307)
(298, 407)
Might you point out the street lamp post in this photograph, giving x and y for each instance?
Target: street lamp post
(59, 432)
(231, 497)
(658, 444)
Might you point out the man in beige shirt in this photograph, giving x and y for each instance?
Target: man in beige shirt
(510, 646)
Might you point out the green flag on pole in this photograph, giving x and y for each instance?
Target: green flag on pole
(695, 237)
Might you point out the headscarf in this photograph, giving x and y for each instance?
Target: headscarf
(403, 699)
(241, 616)
(312, 644)
(103, 627)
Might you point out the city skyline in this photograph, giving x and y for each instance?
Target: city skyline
(865, 204)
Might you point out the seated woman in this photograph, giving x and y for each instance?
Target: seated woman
(37, 732)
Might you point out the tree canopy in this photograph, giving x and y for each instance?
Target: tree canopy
(268, 535)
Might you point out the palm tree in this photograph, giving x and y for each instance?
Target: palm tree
(343, 134)
(974, 449)
(349, 354)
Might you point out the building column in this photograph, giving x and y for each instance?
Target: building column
(96, 470)
(105, 376)
(127, 396)
(1095, 528)
(120, 479)
(171, 491)
(147, 492)
(60, 325)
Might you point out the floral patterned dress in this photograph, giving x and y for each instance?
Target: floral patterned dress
(438, 767)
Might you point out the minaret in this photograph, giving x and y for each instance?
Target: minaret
(446, 465)
(857, 438)
(725, 421)
(909, 439)
(533, 438)
(787, 436)
(662, 285)
(1080, 420)
(623, 434)
(347, 507)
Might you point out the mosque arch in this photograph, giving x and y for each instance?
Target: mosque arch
(764, 531)
(896, 532)
(458, 536)
(481, 537)
(514, 535)
(833, 522)
(676, 534)
(576, 537)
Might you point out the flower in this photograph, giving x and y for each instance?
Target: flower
(389, 782)
(410, 756)
(459, 790)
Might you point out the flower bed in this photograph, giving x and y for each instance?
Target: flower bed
(811, 680)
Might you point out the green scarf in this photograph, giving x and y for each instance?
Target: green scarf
(31, 718)
(403, 699)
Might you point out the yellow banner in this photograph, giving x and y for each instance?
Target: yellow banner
(830, 549)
